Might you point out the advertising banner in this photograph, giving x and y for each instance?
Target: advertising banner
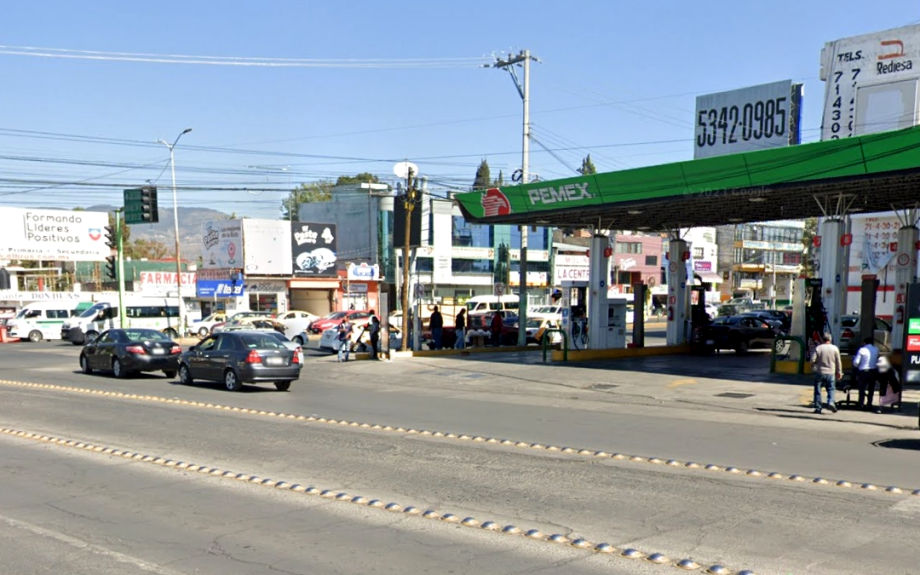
(870, 83)
(313, 249)
(745, 120)
(222, 244)
(220, 282)
(267, 247)
(161, 283)
(54, 235)
(363, 272)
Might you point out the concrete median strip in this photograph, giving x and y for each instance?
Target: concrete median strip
(393, 507)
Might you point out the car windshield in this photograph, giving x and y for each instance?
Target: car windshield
(335, 315)
(849, 321)
(91, 312)
(145, 335)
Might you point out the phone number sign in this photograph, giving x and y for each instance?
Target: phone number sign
(753, 118)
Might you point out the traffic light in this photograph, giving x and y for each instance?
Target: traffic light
(149, 213)
(111, 267)
(111, 237)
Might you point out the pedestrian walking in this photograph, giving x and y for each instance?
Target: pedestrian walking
(374, 330)
(460, 328)
(865, 367)
(828, 369)
(888, 380)
(436, 323)
(344, 337)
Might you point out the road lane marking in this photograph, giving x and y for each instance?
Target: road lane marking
(622, 457)
(684, 381)
(335, 495)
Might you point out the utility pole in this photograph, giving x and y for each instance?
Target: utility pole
(410, 201)
(523, 58)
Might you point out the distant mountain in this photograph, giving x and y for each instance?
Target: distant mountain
(190, 220)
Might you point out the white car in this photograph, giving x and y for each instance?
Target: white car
(296, 323)
(202, 327)
(329, 340)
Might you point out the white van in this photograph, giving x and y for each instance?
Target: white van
(157, 313)
(42, 320)
(486, 303)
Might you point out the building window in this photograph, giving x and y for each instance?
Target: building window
(462, 266)
(651, 260)
(536, 238)
(470, 235)
(628, 247)
(698, 253)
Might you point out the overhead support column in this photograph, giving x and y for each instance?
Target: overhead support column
(597, 291)
(905, 271)
(833, 271)
(678, 300)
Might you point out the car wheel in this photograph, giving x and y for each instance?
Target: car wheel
(170, 373)
(90, 336)
(84, 365)
(118, 369)
(35, 336)
(203, 332)
(298, 340)
(741, 347)
(781, 346)
(185, 376)
(282, 385)
(232, 381)
(170, 333)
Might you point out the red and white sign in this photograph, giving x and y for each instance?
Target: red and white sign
(913, 343)
(163, 282)
(495, 203)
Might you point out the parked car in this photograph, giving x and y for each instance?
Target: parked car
(240, 317)
(131, 350)
(329, 340)
(253, 325)
(739, 332)
(774, 317)
(850, 342)
(296, 322)
(203, 326)
(537, 326)
(480, 325)
(238, 357)
(335, 318)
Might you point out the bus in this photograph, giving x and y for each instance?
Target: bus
(140, 311)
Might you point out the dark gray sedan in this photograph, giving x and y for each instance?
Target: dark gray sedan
(126, 351)
(238, 357)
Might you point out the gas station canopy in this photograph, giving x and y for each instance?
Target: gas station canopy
(871, 173)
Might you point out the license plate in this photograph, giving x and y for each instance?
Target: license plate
(158, 351)
(274, 360)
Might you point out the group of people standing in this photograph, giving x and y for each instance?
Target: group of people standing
(870, 369)
(345, 331)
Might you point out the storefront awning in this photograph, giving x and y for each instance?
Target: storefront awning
(709, 277)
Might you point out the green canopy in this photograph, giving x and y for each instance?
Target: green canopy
(873, 172)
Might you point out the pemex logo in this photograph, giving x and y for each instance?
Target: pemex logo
(495, 203)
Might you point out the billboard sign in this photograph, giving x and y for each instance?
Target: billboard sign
(267, 247)
(55, 235)
(313, 249)
(748, 119)
(213, 283)
(222, 244)
(870, 83)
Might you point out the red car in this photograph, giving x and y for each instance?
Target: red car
(335, 318)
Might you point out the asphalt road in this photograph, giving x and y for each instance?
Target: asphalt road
(701, 464)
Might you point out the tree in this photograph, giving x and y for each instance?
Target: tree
(500, 181)
(150, 249)
(320, 191)
(483, 179)
(587, 167)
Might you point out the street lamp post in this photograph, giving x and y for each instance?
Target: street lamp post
(172, 166)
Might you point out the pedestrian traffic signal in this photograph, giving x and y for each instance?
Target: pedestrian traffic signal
(111, 267)
(111, 238)
(149, 213)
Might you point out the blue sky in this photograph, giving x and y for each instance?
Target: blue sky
(617, 80)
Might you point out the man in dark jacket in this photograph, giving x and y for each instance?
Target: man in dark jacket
(436, 322)
(496, 326)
